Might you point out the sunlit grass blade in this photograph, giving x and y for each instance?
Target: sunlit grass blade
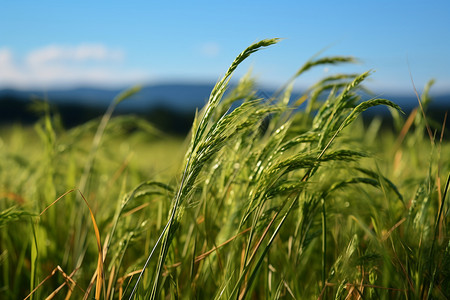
(99, 272)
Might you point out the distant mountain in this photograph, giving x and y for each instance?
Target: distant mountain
(176, 96)
(180, 97)
(173, 101)
(170, 107)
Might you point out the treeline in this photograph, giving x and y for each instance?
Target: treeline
(28, 111)
(18, 110)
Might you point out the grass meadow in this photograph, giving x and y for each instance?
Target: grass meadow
(262, 200)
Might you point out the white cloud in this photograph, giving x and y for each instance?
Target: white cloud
(5, 56)
(84, 52)
(210, 49)
(9, 72)
(56, 66)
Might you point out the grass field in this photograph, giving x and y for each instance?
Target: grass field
(261, 201)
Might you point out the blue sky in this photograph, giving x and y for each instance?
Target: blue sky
(46, 44)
